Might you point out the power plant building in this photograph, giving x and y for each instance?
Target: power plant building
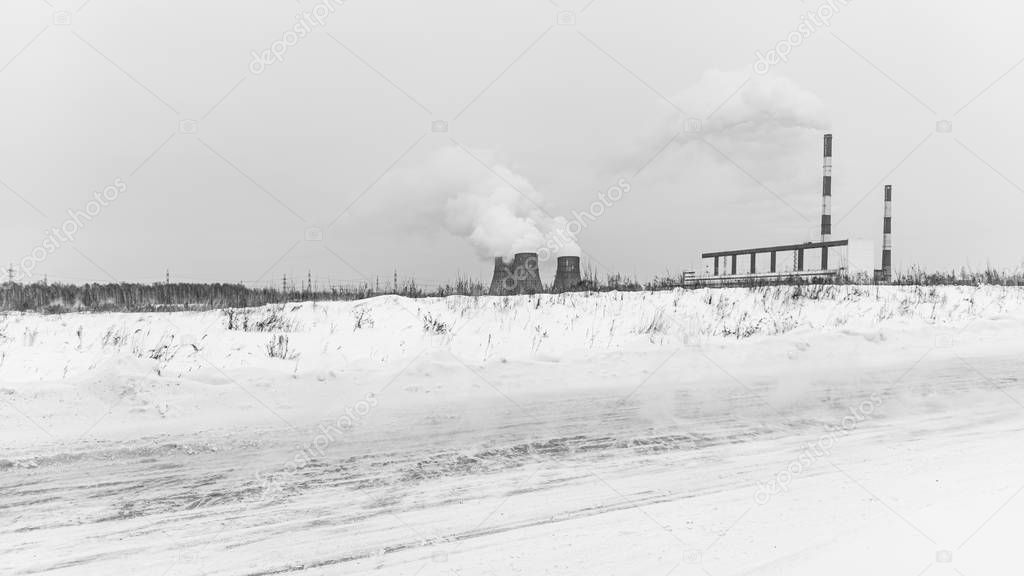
(821, 259)
(824, 259)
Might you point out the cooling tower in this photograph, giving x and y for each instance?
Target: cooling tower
(526, 273)
(521, 276)
(567, 276)
(501, 278)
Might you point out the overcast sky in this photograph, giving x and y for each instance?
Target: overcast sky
(328, 156)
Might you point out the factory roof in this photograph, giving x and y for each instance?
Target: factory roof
(781, 248)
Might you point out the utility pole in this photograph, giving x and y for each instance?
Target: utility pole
(396, 281)
(167, 277)
(284, 283)
(309, 282)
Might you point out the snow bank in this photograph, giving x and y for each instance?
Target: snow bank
(389, 331)
(736, 418)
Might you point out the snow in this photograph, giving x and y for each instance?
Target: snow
(847, 430)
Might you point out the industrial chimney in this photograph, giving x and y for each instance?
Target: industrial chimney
(826, 192)
(567, 275)
(887, 236)
(826, 201)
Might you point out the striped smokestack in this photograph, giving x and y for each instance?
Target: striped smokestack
(887, 236)
(826, 192)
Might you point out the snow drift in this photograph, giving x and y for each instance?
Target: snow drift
(389, 330)
(779, 430)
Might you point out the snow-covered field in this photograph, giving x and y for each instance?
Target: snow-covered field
(837, 430)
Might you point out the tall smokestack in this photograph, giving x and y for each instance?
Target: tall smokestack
(567, 275)
(826, 192)
(887, 236)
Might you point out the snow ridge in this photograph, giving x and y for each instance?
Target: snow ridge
(383, 331)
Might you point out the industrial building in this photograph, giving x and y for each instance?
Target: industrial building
(825, 259)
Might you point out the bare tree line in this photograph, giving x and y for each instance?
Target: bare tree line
(54, 298)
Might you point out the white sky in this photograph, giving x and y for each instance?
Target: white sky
(569, 108)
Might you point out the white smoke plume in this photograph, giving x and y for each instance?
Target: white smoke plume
(474, 195)
(480, 199)
(734, 102)
(729, 136)
(757, 121)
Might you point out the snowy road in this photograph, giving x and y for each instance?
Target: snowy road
(644, 473)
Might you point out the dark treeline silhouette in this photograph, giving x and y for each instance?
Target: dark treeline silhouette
(918, 277)
(56, 298)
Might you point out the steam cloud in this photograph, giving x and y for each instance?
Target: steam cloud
(497, 210)
(762, 104)
(758, 121)
(480, 199)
